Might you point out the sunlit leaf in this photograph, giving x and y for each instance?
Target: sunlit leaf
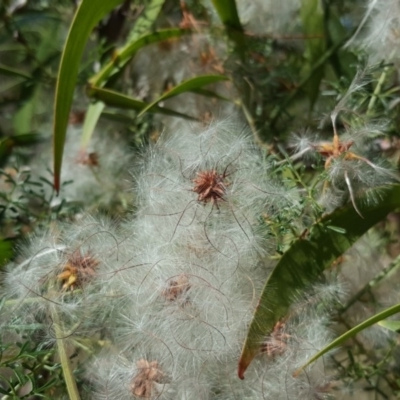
(393, 326)
(306, 259)
(146, 20)
(92, 116)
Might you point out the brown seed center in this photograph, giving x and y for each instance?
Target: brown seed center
(210, 186)
(149, 373)
(78, 270)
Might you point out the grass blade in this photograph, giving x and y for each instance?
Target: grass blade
(228, 14)
(89, 13)
(92, 116)
(124, 54)
(115, 99)
(313, 27)
(352, 332)
(136, 40)
(5, 70)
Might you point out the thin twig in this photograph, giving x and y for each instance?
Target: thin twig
(377, 279)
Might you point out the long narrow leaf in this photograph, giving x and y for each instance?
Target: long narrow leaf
(146, 20)
(6, 251)
(5, 70)
(189, 85)
(92, 116)
(87, 16)
(8, 143)
(306, 259)
(124, 54)
(228, 14)
(352, 332)
(121, 57)
(115, 99)
(393, 326)
(313, 27)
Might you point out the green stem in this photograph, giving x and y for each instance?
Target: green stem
(14, 394)
(64, 359)
(377, 90)
(378, 278)
(275, 114)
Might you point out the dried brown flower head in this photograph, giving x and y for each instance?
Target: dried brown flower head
(77, 270)
(210, 186)
(276, 343)
(333, 150)
(77, 117)
(149, 373)
(90, 159)
(177, 288)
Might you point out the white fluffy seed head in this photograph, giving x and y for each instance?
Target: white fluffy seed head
(143, 374)
(268, 17)
(212, 178)
(66, 271)
(97, 175)
(379, 32)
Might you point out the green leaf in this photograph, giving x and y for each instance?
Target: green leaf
(343, 61)
(92, 116)
(136, 40)
(313, 28)
(66, 366)
(146, 20)
(24, 117)
(6, 251)
(88, 14)
(228, 14)
(189, 85)
(352, 332)
(115, 99)
(118, 117)
(393, 326)
(7, 144)
(210, 93)
(306, 259)
(13, 72)
(121, 57)
(124, 54)
(2, 391)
